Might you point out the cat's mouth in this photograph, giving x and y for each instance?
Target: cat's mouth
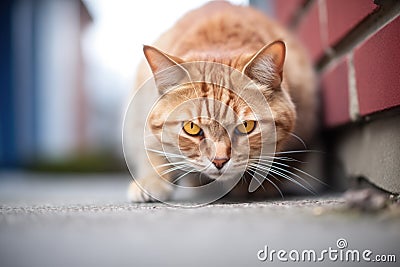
(223, 173)
(214, 174)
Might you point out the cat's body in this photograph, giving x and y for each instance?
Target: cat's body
(235, 36)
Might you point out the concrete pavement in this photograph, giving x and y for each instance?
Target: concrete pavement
(49, 220)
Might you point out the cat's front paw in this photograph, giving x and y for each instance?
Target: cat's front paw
(149, 191)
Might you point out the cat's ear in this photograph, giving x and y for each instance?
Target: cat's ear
(166, 69)
(266, 66)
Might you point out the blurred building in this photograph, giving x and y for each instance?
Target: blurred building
(42, 97)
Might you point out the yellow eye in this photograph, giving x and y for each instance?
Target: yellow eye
(246, 128)
(192, 128)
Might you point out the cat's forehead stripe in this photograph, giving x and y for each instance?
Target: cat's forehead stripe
(220, 99)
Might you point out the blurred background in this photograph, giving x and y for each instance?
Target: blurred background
(68, 66)
(67, 69)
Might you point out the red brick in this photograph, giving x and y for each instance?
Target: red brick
(335, 95)
(377, 67)
(309, 32)
(285, 10)
(343, 15)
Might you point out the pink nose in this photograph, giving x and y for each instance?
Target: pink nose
(220, 162)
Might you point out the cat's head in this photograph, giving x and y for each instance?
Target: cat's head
(216, 124)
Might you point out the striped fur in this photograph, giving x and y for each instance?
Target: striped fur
(243, 39)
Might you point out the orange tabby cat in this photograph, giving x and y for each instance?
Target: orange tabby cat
(248, 41)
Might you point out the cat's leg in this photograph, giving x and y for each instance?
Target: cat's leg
(152, 186)
(149, 188)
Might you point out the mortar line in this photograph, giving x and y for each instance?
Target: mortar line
(382, 16)
(354, 110)
(323, 22)
(299, 15)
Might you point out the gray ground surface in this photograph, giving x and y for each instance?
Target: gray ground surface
(49, 220)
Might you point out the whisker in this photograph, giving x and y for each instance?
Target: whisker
(183, 175)
(173, 169)
(168, 154)
(159, 151)
(276, 170)
(242, 178)
(259, 161)
(299, 139)
(295, 151)
(253, 176)
(171, 163)
(261, 183)
(281, 158)
(266, 178)
(292, 180)
(290, 173)
(274, 177)
(297, 169)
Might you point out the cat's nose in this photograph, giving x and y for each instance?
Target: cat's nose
(220, 162)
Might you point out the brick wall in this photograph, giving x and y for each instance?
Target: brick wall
(355, 45)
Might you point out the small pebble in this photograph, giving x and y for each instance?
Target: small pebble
(366, 199)
(318, 211)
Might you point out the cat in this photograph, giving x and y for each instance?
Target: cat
(243, 39)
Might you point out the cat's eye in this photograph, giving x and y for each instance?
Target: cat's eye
(246, 127)
(192, 128)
